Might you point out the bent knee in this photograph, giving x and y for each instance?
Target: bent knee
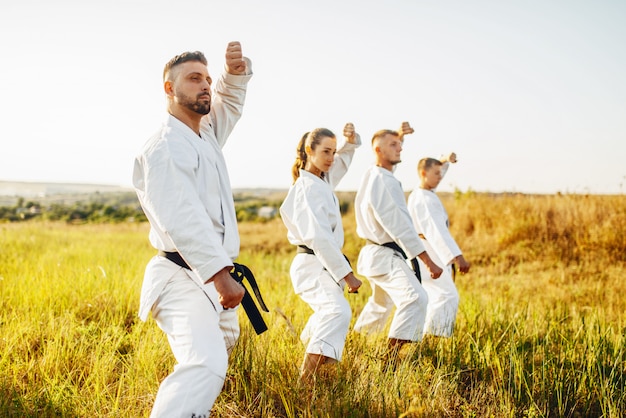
(344, 315)
(451, 298)
(216, 367)
(416, 299)
(454, 299)
(203, 371)
(340, 314)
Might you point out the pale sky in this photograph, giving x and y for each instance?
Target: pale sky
(530, 94)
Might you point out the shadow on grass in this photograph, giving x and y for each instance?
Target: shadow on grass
(15, 405)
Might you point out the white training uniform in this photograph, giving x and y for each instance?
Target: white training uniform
(431, 220)
(382, 217)
(313, 219)
(182, 184)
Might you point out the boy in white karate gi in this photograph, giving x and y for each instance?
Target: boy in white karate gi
(431, 221)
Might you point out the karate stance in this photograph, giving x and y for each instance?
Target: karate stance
(319, 270)
(182, 183)
(383, 219)
(431, 221)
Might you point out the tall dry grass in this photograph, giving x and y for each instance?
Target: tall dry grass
(540, 330)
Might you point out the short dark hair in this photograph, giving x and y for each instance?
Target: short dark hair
(427, 163)
(182, 58)
(382, 133)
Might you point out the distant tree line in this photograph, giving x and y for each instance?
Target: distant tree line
(76, 212)
(114, 208)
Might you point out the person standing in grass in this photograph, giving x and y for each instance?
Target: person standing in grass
(382, 218)
(182, 184)
(431, 221)
(319, 271)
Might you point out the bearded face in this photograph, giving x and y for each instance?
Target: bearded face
(189, 86)
(201, 104)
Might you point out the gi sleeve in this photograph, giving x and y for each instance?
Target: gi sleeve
(342, 162)
(227, 104)
(444, 168)
(432, 220)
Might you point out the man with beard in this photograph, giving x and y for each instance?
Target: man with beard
(182, 184)
(382, 218)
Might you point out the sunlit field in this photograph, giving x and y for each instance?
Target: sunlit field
(540, 330)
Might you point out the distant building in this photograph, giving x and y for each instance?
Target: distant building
(267, 212)
(29, 212)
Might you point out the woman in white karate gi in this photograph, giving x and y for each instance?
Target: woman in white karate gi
(431, 221)
(319, 270)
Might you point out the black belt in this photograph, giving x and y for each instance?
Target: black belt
(303, 249)
(175, 258)
(238, 273)
(394, 246)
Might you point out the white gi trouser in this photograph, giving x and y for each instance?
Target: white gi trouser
(431, 221)
(443, 298)
(395, 285)
(325, 332)
(194, 321)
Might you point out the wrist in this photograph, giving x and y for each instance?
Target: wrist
(221, 275)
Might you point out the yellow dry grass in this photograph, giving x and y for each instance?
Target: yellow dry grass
(540, 329)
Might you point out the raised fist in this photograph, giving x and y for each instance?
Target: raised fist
(450, 158)
(405, 129)
(235, 64)
(348, 131)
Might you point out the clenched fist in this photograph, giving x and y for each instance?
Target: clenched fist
(352, 282)
(451, 158)
(235, 64)
(405, 129)
(349, 132)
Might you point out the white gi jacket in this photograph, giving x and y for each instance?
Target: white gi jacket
(183, 186)
(382, 216)
(312, 216)
(431, 220)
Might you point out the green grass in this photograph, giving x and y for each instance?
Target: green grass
(539, 336)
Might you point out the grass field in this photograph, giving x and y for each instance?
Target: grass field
(540, 332)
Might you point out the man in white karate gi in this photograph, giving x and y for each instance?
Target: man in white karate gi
(383, 219)
(431, 221)
(182, 183)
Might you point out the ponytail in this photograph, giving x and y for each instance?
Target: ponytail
(300, 158)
